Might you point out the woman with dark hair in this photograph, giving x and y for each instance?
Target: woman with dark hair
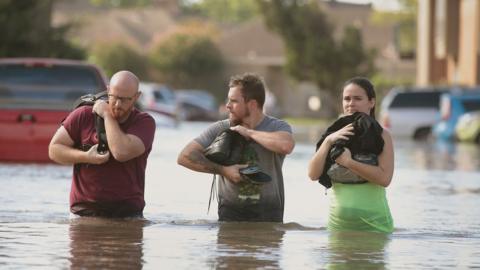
(357, 205)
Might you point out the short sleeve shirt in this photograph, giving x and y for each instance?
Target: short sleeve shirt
(260, 198)
(112, 181)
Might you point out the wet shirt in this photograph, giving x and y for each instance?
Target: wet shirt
(359, 207)
(245, 200)
(114, 183)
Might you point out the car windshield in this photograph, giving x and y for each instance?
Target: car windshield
(416, 99)
(471, 105)
(46, 86)
(163, 95)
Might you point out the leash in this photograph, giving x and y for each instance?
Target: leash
(213, 192)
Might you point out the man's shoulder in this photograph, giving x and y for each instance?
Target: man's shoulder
(274, 119)
(225, 123)
(141, 115)
(212, 131)
(83, 108)
(271, 123)
(143, 118)
(83, 111)
(219, 126)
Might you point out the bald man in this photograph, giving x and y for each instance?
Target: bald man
(110, 184)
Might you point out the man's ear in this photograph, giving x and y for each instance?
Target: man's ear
(252, 103)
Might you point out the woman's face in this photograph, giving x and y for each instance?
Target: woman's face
(355, 99)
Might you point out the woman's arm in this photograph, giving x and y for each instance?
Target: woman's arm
(381, 174)
(317, 163)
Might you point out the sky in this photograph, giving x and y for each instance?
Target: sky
(390, 5)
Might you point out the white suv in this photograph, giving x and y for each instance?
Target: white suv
(411, 112)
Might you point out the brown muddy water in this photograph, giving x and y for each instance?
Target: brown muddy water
(434, 199)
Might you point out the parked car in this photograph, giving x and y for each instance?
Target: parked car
(452, 106)
(411, 112)
(197, 105)
(160, 101)
(468, 127)
(36, 94)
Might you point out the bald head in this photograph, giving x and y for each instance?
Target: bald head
(125, 81)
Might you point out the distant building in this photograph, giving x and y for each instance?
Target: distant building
(137, 28)
(253, 47)
(448, 49)
(247, 47)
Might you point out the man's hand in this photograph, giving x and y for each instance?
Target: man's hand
(232, 173)
(245, 132)
(95, 158)
(101, 108)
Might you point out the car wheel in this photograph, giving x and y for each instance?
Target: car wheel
(422, 133)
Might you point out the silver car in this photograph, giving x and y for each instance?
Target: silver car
(411, 112)
(160, 101)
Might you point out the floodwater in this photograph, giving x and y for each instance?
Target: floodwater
(434, 199)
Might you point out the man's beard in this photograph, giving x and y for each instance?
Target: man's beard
(120, 114)
(234, 121)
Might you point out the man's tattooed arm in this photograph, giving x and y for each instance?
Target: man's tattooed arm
(193, 158)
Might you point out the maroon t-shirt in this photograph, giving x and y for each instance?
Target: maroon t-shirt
(114, 182)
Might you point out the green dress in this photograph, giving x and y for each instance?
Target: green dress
(359, 207)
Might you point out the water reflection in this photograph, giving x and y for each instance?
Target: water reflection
(97, 243)
(242, 245)
(357, 250)
(437, 155)
(434, 199)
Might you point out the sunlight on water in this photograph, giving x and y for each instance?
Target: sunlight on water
(434, 199)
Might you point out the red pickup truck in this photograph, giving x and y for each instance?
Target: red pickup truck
(36, 94)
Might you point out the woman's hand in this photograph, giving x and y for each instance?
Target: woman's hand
(317, 163)
(340, 134)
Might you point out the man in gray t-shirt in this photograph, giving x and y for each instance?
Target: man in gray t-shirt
(269, 140)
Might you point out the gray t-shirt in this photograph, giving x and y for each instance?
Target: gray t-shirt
(268, 197)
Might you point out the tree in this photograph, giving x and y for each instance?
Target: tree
(189, 58)
(121, 3)
(26, 31)
(312, 52)
(233, 11)
(405, 21)
(117, 56)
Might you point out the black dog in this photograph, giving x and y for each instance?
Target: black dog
(367, 139)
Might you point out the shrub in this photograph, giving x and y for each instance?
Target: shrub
(117, 56)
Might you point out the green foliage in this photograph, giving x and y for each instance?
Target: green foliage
(117, 56)
(406, 38)
(223, 10)
(26, 31)
(185, 59)
(405, 26)
(121, 3)
(312, 52)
